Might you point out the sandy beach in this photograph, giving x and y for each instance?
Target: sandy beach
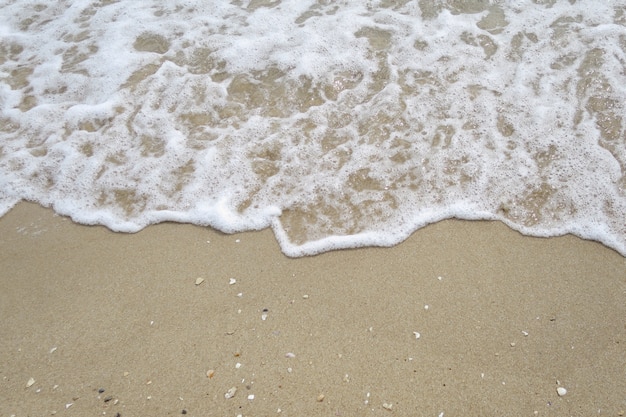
(462, 319)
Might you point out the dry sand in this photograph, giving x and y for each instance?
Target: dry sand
(503, 320)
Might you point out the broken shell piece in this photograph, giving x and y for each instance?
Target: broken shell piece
(561, 391)
(387, 406)
(232, 281)
(320, 398)
(210, 373)
(290, 355)
(30, 382)
(230, 393)
(199, 281)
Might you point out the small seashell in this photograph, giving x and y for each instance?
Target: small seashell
(230, 393)
(561, 391)
(210, 373)
(320, 398)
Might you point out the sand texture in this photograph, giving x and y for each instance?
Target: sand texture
(100, 323)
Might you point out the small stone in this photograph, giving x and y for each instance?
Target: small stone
(100, 390)
(30, 382)
(68, 405)
(290, 355)
(320, 398)
(251, 397)
(512, 344)
(561, 391)
(210, 373)
(387, 406)
(305, 296)
(108, 398)
(199, 281)
(184, 412)
(230, 393)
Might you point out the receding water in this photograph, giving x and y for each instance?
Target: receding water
(336, 123)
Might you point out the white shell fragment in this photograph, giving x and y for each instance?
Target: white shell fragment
(30, 382)
(230, 393)
(561, 391)
(388, 406)
(417, 335)
(199, 281)
(232, 281)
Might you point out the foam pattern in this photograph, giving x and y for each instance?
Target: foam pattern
(336, 123)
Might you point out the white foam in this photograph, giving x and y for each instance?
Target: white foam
(338, 124)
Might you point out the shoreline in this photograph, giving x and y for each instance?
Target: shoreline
(503, 320)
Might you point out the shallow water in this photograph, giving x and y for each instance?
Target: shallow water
(336, 123)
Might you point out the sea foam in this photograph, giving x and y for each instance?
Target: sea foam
(336, 123)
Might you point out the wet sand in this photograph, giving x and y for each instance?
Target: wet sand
(100, 323)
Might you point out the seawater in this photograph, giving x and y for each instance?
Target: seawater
(336, 123)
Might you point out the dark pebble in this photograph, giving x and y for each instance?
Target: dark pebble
(184, 412)
(107, 399)
(101, 390)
